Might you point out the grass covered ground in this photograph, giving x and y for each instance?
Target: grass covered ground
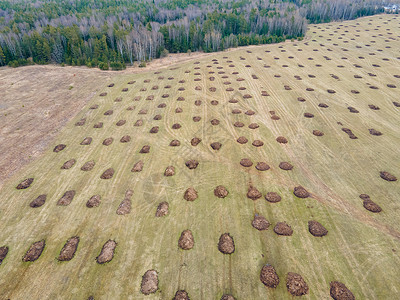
(361, 248)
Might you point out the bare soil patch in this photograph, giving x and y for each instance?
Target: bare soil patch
(226, 244)
(260, 223)
(94, 201)
(107, 252)
(186, 240)
(316, 229)
(149, 283)
(68, 251)
(162, 209)
(296, 285)
(282, 228)
(339, 291)
(38, 201)
(67, 198)
(34, 251)
(269, 277)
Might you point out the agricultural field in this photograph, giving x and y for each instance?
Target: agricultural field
(260, 173)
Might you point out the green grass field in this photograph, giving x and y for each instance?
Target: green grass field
(361, 249)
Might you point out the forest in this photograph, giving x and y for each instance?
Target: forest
(113, 34)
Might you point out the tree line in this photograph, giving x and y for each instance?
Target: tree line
(115, 33)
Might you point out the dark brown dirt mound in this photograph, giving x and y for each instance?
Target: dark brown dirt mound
(323, 105)
(387, 176)
(192, 164)
(373, 107)
(339, 291)
(109, 112)
(34, 251)
(220, 191)
(260, 223)
(39, 201)
(296, 285)
(145, 149)
(138, 123)
(176, 126)
(154, 129)
(178, 110)
(3, 253)
(162, 209)
(59, 148)
(226, 244)
(94, 106)
(374, 132)
(195, 141)
(94, 201)
(238, 124)
(301, 192)
(245, 162)
(397, 104)
(98, 125)
(391, 86)
(350, 133)
(149, 283)
(216, 145)
(272, 197)
(214, 102)
(214, 122)
(103, 94)
(301, 99)
(175, 143)
(308, 115)
(285, 166)
(190, 194)
(138, 167)
(269, 277)
(88, 166)
(169, 171)
(253, 193)
(282, 228)
(68, 251)
(107, 252)
(197, 102)
(121, 122)
(370, 205)
(108, 141)
(227, 297)
(258, 143)
(25, 184)
(162, 105)
(125, 206)
(316, 229)
(196, 119)
(181, 295)
(331, 91)
(262, 166)
(250, 112)
(353, 110)
(157, 117)
(253, 126)
(81, 122)
(282, 140)
(317, 133)
(107, 174)
(180, 98)
(142, 112)
(87, 141)
(242, 140)
(186, 240)
(236, 111)
(67, 198)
